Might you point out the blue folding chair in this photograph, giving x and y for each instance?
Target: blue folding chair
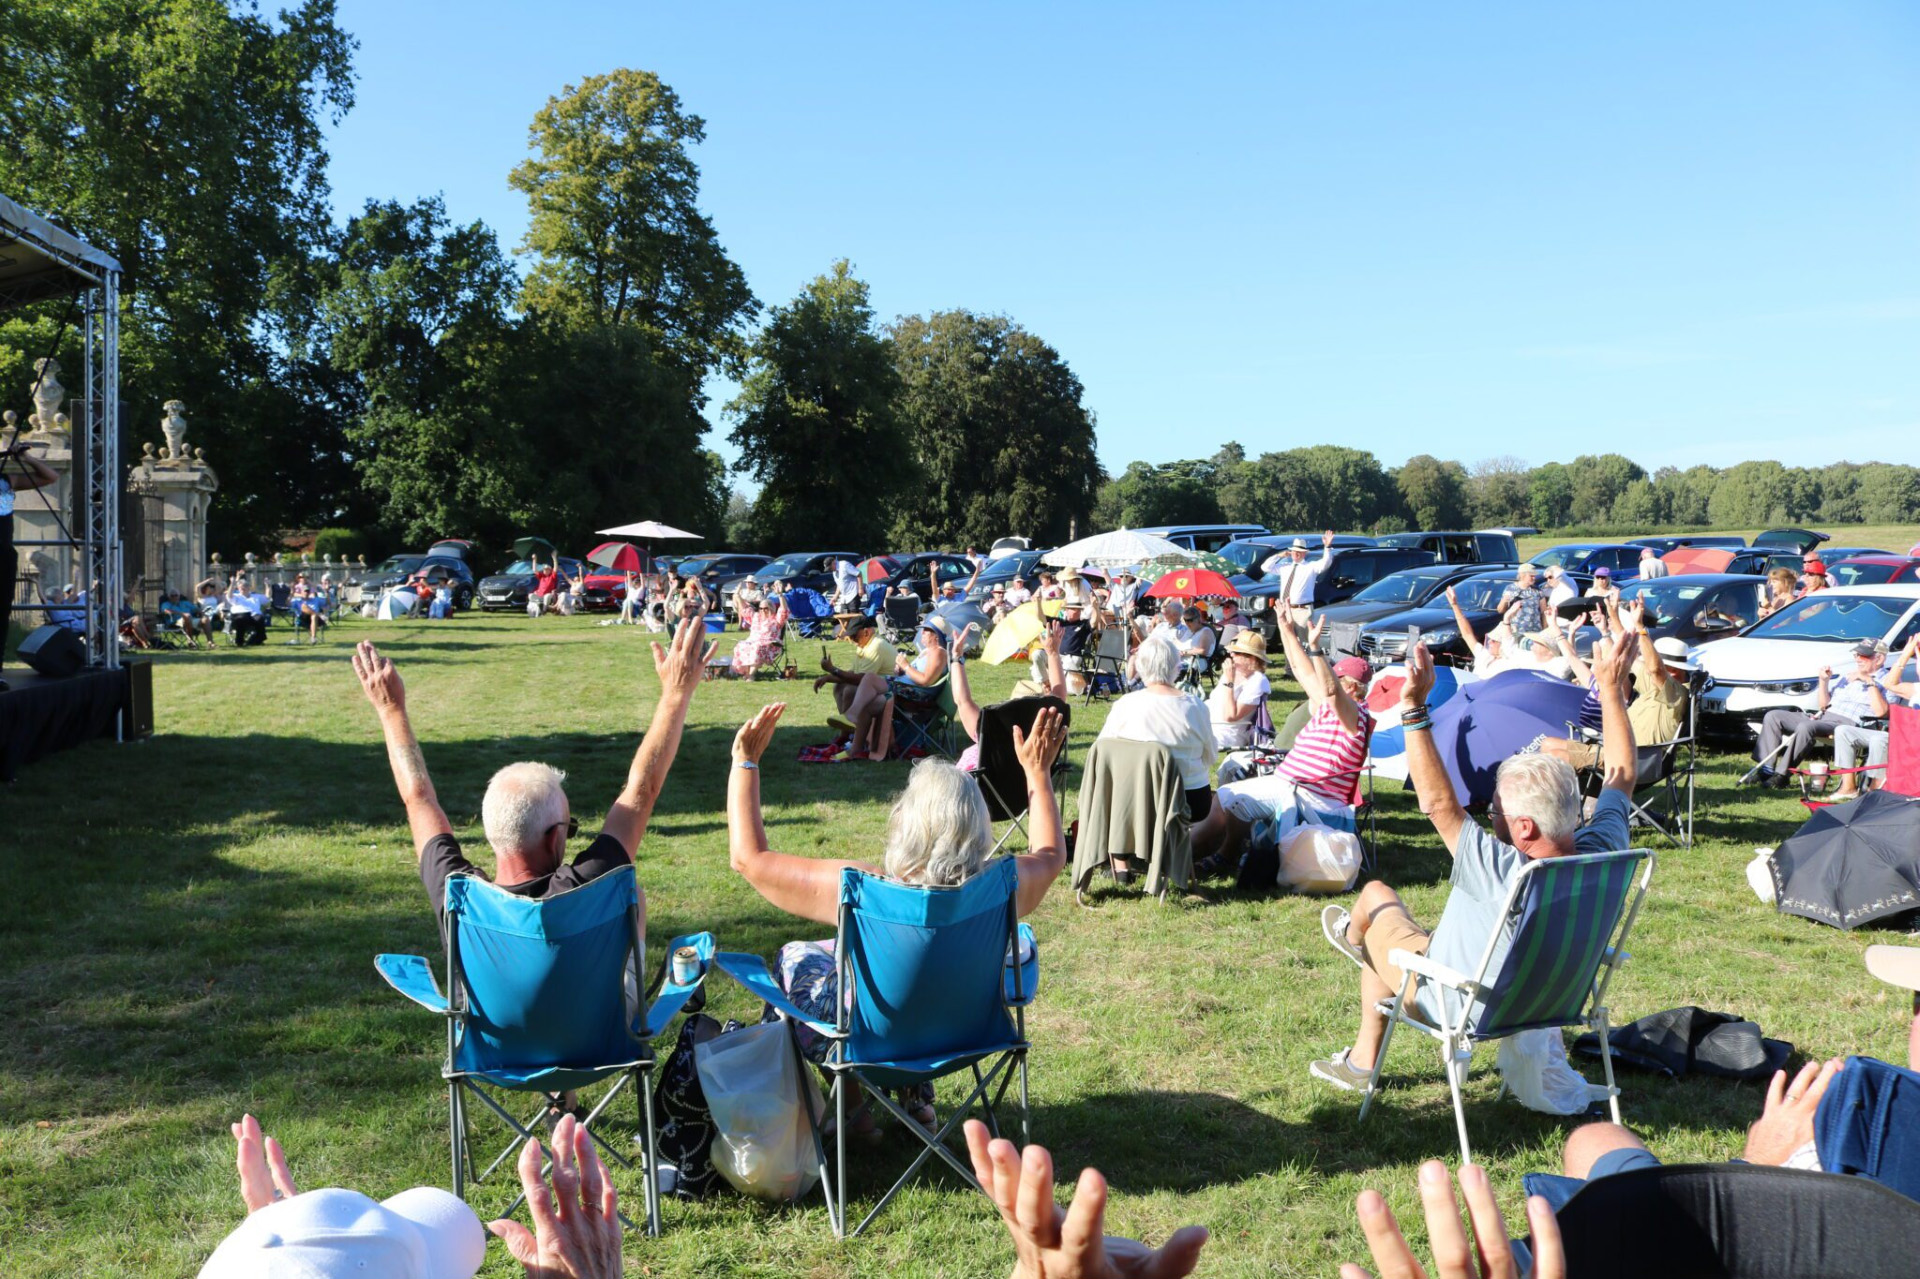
(1567, 920)
(545, 998)
(934, 991)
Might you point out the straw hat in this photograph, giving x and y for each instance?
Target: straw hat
(1250, 642)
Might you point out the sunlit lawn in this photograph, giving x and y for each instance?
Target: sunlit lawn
(192, 922)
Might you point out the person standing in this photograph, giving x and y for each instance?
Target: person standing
(1293, 605)
(1651, 565)
(19, 470)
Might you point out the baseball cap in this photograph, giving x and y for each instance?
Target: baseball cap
(1352, 668)
(423, 1233)
(858, 623)
(1866, 648)
(1814, 566)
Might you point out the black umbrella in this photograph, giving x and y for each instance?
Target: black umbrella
(1851, 863)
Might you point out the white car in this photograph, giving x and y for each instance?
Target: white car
(1777, 661)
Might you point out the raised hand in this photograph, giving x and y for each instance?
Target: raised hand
(1318, 625)
(1326, 540)
(1054, 1243)
(379, 679)
(751, 741)
(264, 1179)
(1453, 1255)
(1452, 598)
(1613, 663)
(1787, 1122)
(1419, 683)
(576, 1226)
(681, 663)
(1038, 749)
(1634, 614)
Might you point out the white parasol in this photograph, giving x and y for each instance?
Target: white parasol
(1111, 550)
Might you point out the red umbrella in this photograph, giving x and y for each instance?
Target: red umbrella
(878, 568)
(618, 556)
(1192, 583)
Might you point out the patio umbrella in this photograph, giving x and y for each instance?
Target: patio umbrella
(1017, 630)
(618, 556)
(1192, 583)
(1851, 863)
(649, 532)
(529, 548)
(1387, 748)
(1122, 546)
(1486, 723)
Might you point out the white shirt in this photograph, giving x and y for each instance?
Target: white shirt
(1178, 723)
(1076, 591)
(1653, 566)
(845, 580)
(1176, 632)
(1120, 598)
(1017, 596)
(1296, 581)
(1230, 735)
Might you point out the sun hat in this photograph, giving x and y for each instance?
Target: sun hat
(937, 624)
(1299, 544)
(1672, 651)
(423, 1233)
(1895, 965)
(1250, 642)
(1070, 575)
(1352, 668)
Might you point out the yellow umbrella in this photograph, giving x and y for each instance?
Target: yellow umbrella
(1019, 629)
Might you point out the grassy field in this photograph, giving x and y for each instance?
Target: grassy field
(193, 919)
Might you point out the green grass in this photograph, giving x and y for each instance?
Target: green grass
(192, 921)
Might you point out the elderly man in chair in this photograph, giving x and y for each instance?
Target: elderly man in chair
(1535, 812)
(527, 817)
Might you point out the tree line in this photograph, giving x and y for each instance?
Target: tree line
(1327, 486)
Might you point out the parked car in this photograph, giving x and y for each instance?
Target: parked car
(1793, 539)
(1460, 548)
(720, 572)
(603, 589)
(1384, 640)
(1623, 562)
(1002, 571)
(1006, 546)
(1755, 560)
(1699, 607)
(1873, 570)
(1832, 554)
(912, 569)
(510, 587)
(1777, 661)
(1247, 554)
(1665, 544)
(396, 569)
(1392, 594)
(1203, 537)
(458, 548)
(1354, 568)
(807, 570)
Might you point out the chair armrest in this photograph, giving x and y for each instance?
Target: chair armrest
(412, 977)
(751, 972)
(1433, 970)
(673, 997)
(1020, 995)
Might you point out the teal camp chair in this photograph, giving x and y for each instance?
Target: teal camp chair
(1566, 922)
(540, 1003)
(933, 994)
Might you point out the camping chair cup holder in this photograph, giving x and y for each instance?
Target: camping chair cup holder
(538, 1001)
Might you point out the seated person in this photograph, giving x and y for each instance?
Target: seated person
(871, 655)
(1813, 576)
(133, 627)
(1196, 655)
(968, 712)
(439, 610)
(1523, 606)
(1232, 620)
(916, 680)
(938, 835)
(212, 608)
(1659, 708)
(1049, 588)
(1242, 690)
(1075, 589)
(177, 613)
(746, 601)
(1017, 592)
(1160, 712)
(1319, 768)
(766, 623)
(1850, 741)
(1122, 594)
(526, 815)
(244, 618)
(546, 585)
(310, 606)
(997, 607)
(1787, 732)
(1501, 650)
(1078, 624)
(1782, 589)
(1536, 813)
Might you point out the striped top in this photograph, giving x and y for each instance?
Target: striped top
(1326, 758)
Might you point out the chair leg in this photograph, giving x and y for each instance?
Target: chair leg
(840, 1085)
(1026, 1112)
(650, 1161)
(1606, 1061)
(1459, 1059)
(457, 1128)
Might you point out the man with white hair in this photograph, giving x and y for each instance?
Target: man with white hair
(527, 817)
(1536, 814)
(1651, 565)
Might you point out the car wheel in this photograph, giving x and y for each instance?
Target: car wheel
(462, 599)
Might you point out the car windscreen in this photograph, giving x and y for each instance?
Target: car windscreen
(787, 566)
(1665, 602)
(1860, 574)
(401, 564)
(1481, 592)
(1398, 587)
(517, 567)
(1833, 618)
(1245, 556)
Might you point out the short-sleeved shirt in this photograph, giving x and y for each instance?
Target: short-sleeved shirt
(1656, 711)
(442, 857)
(544, 583)
(875, 656)
(1532, 612)
(1233, 734)
(1483, 871)
(174, 610)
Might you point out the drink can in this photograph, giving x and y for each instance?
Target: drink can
(686, 966)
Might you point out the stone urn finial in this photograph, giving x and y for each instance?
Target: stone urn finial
(174, 426)
(251, 558)
(47, 393)
(10, 426)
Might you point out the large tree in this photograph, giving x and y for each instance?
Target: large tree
(184, 136)
(1184, 492)
(1324, 486)
(1435, 492)
(815, 421)
(1003, 443)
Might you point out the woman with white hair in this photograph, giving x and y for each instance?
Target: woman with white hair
(1159, 712)
(938, 835)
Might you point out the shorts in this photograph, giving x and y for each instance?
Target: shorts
(1199, 803)
(1393, 929)
(1582, 754)
(1271, 798)
(907, 691)
(1556, 1189)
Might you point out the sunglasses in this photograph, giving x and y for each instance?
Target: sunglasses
(572, 824)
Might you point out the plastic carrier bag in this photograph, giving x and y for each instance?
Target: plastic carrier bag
(1319, 859)
(1534, 1066)
(754, 1085)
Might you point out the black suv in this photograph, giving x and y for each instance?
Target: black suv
(1460, 548)
(1390, 596)
(510, 587)
(720, 572)
(805, 570)
(396, 569)
(1352, 570)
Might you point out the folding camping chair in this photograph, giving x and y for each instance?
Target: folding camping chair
(808, 613)
(927, 724)
(899, 618)
(1266, 760)
(538, 1002)
(1565, 925)
(934, 981)
(1902, 769)
(1001, 776)
(1666, 768)
(1103, 660)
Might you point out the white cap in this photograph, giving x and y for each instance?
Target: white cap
(423, 1233)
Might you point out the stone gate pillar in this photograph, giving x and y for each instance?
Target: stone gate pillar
(176, 489)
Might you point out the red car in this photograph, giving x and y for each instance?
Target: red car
(604, 589)
(1874, 570)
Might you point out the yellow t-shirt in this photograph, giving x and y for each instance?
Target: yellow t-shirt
(876, 656)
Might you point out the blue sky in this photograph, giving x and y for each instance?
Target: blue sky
(1689, 233)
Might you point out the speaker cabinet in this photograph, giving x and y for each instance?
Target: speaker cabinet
(53, 651)
(137, 721)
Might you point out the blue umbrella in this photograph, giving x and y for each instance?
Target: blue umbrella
(1486, 723)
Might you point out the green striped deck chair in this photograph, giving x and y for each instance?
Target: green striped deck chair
(1562, 935)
